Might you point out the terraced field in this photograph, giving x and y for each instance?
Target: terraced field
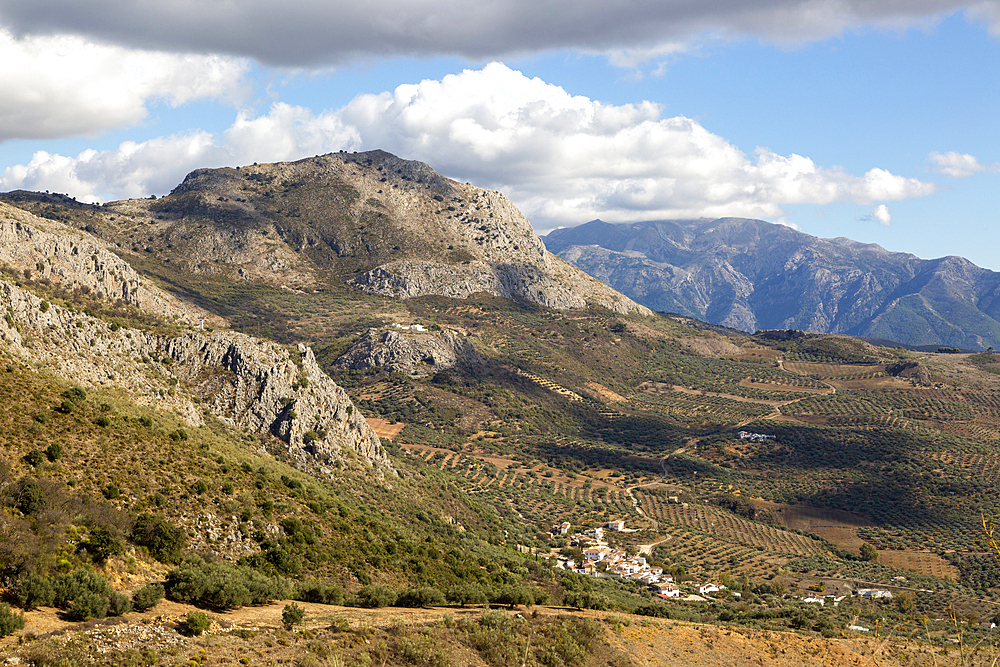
(728, 527)
(542, 495)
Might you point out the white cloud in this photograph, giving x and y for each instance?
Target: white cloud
(309, 32)
(562, 158)
(988, 12)
(957, 165)
(56, 86)
(879, 214)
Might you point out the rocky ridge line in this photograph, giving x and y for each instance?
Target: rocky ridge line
(50, 250)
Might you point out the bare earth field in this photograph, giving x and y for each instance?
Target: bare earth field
(648, 642)
(384, 429)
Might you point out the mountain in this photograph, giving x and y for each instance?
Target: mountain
(167, 423)
(257, 386)
(384, 225)
(752, 275)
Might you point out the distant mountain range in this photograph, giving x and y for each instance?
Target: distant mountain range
(751, 275)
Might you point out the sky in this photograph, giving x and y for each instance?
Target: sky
(877, 120)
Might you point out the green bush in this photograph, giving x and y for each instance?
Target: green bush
(222, 586)
(147, 597)
(104, 543)
(374, 596)
(54, 451)
(196, 623)
(87, 605)
(33, 591)
(69, 587)
(319, 592)
(292, 615)
(164, 540)
(425, 596)
(111, 492)
(119, 604)
(9, 621)
(34, 458)
(30, 497)
(75, 394)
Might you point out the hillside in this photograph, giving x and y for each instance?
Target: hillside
(242, 441)
(387, 226)
(752, 275)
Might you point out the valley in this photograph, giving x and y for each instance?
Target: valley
(256, 424)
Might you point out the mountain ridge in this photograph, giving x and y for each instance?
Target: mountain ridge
(379, 223)
(751, 274)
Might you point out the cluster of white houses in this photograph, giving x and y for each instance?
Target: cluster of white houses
(601, 560)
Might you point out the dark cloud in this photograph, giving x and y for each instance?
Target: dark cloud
(319, 32)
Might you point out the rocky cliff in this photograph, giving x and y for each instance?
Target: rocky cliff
(255, 385)
(411, 351)
(750, 274)
(51, 251)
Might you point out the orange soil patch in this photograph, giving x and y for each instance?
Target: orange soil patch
(921, 562)
(384, 429)
(606, 393)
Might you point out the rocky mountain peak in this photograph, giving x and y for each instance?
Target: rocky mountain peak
(371, 220)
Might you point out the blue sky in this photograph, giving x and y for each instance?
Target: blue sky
(839, 118)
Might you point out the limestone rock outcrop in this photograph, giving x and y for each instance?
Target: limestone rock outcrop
(255, 385)
(49, 250)
(410, 351)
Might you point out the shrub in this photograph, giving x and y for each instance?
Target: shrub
(103, 544)
(196, 623)
(30, 497)
(200, 486)
(9, 621)
(33, 591)
(88, 605)
(111, 492)
(69, 587)
(103, 421)
(147, 597)
(75, 394)
(54, 451)
(216, 584)
(119, 604)
(374, 596)
(34, 458)
(424, 596)
(291, 615)
(163, 539)
(319, 592)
